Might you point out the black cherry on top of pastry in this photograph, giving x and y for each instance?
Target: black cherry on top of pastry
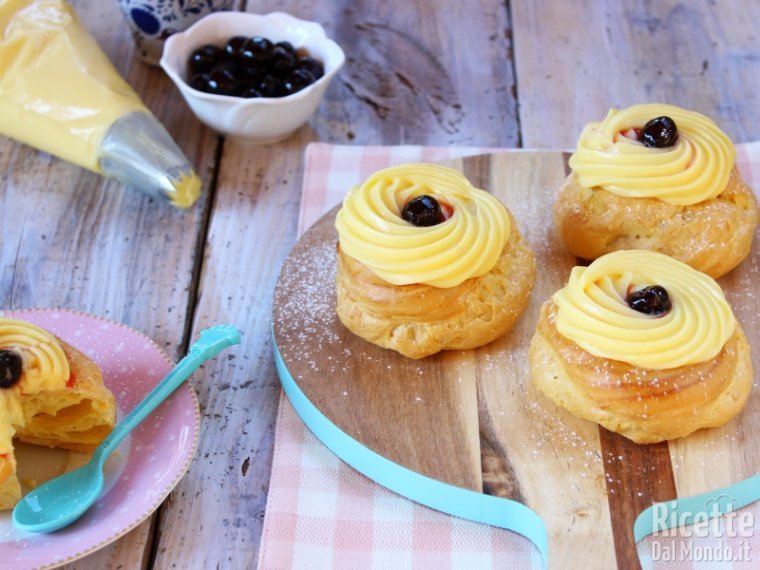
(652, 300)
(660, 132)
(10, 368)
(425, 211)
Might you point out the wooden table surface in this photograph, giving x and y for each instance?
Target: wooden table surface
(523, 73)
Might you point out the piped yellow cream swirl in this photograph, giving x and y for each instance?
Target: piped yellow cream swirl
(468, 244)
(593, 313)
(44, 363)
(693, 170)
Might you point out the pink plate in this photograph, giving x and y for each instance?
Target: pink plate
(145, 467)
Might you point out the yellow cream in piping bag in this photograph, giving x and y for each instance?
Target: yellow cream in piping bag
(466, 245)
(593, 313)
(60, 93)
(693, 170)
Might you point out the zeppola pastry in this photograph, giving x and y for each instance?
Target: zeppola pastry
(50, 394)
(644, 345)
(661, 178)
(427, 262)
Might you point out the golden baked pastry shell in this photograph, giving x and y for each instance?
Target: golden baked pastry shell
(77, 418)
(713, 236)
(420, 320)
(646, 406)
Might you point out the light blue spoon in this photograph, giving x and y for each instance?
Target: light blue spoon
(62, 500)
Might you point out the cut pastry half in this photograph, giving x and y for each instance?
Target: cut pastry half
(50, 394)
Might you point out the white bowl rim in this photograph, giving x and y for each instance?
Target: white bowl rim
(272, 16)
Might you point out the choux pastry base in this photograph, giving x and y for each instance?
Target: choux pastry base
(420, 320)
(712, 236)
(661, 405)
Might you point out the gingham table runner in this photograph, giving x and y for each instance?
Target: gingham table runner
(322, 514)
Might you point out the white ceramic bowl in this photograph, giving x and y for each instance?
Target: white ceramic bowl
(261, 120)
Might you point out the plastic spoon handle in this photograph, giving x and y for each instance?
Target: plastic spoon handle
(212, 341)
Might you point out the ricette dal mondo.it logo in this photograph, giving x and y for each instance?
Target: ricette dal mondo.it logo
(679, 532)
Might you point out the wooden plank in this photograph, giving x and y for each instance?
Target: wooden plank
(637, 476)
(215, 515)
(72, 239)
(418, 75)
(410, 73)
(576, 60)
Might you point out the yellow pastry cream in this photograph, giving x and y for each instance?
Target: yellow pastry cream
(44, 362)
(45, 367)
(60, 93)
(467, 244)
(592, 311)
(694, 169)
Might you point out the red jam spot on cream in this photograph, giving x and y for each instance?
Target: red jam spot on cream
(631, 134)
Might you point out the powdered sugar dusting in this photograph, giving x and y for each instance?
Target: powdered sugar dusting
(305, 313)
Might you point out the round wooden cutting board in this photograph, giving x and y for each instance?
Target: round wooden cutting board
(472, 418)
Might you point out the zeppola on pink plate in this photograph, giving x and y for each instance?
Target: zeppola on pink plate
(141, 472)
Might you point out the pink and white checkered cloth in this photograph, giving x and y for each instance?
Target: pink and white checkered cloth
(323, 514)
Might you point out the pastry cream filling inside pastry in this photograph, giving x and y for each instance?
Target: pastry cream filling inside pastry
(50, 394)
(468, 244)
(696, 168)
(592, 311)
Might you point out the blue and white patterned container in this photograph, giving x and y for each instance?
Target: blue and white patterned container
(152, 21)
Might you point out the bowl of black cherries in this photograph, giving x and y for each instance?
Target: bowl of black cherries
(251, 76)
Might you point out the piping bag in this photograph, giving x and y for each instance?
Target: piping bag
(61, 94)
